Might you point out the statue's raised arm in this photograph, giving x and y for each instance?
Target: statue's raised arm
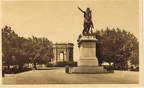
(81, 9)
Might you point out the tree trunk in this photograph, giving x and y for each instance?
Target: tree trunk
(113, 65)
(8, 63)
(122, 66)
(34, 65)
(19, 66)
(8, 66)
(109, 63)
(28, 65)
(99, 64)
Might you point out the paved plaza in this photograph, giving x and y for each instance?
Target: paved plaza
(58, 76)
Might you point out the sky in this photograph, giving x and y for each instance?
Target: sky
(61, 21)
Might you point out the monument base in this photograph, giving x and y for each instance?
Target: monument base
(88, 62)
(87, 70)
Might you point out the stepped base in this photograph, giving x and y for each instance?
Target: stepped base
(87, 70)
(88, 61)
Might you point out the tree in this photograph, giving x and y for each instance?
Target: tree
(115, 46)
(21, 50)
(41, 51)
(9, 38)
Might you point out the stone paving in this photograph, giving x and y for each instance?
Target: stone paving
(58, 76)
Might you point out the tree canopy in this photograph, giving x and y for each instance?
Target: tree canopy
(117, 46)
(20, 50)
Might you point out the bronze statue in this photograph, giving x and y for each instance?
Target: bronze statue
(87, 21)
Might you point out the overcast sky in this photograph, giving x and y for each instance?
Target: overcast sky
(61, 21)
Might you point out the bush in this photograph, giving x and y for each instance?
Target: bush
(64, 63)
(134, 69)
(108, 67)
(72, 64)
(49, 65)
(15, 70)
(22, 70)
(7, 71)
(61, 64)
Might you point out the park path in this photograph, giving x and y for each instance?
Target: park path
(58, 76)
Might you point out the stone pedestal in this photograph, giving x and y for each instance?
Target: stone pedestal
(88, 62)
(87, 47)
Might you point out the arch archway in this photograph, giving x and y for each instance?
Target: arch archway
(63, 52)
(61, 56)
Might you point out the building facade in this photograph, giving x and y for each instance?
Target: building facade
(63, 52)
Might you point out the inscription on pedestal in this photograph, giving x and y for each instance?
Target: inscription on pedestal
(89, 45)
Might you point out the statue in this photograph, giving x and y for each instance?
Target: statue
(87, 21)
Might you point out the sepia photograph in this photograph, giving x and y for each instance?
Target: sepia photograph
(74, 43)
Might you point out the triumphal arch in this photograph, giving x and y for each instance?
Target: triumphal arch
(63, 52)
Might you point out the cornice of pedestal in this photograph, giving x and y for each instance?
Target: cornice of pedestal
(87, 39)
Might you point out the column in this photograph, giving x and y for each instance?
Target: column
(65, 55)
(54, 51)
(71, 54)
(68, 59)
